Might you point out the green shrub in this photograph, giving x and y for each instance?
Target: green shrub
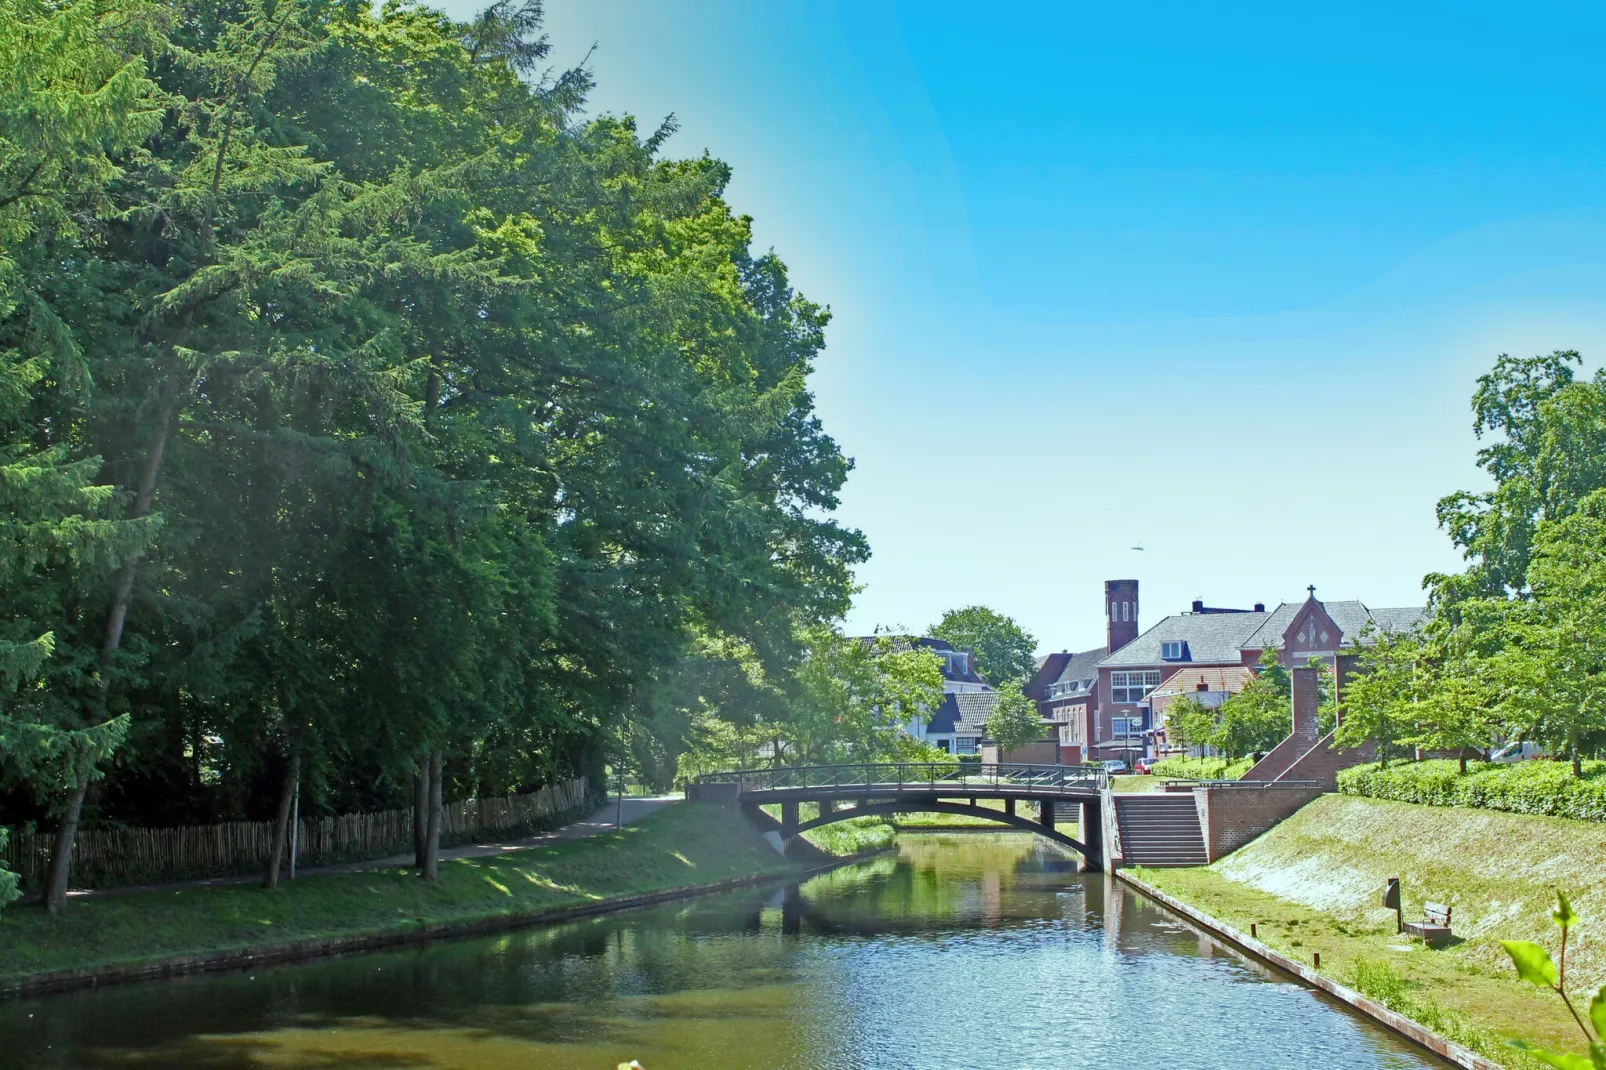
(1536, 787)
(1201, 768)
(8, 879)
(852, 836)
(1382, 983)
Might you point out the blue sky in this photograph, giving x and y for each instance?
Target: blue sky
(1211, 281)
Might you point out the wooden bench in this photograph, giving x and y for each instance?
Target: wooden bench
(1434, 928)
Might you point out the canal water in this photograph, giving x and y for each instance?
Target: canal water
(962, 951)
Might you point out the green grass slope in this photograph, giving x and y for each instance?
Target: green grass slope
(683, 844)
(1314, 884)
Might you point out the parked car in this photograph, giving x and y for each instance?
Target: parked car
(1114, 766)
(1143, 767)
(1518, 750)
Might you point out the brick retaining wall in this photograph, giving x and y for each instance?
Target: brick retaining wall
(1232, 815)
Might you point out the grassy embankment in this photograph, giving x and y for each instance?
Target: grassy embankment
(1313, 884)
(681, 845)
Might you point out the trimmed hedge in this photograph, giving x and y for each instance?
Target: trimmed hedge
(1201, 768)
(1534, 787)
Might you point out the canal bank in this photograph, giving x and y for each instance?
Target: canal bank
(680, 851)
(957, 952)
(1312, 886)
(1411, 1030)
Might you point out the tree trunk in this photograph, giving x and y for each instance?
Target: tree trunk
(1463, 757)
(1578, 762)
(420, 811)
(55, 898)
(281, 824)
(432, 837)
(143, 500)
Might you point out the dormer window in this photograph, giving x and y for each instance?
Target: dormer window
(1173, 651)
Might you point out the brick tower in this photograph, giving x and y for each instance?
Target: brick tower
(1120, 612)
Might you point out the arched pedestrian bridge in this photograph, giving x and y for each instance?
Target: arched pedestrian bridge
(1073, 792)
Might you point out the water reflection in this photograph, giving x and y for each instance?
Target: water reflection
(962, 951)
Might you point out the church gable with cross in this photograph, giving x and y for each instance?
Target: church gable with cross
(1329, 631)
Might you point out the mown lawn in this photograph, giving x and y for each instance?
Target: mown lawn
(683, 844)
(1314, 884)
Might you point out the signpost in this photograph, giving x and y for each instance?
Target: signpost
(1391, 898)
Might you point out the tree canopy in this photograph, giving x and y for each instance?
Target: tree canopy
(1014, 722)
(362, 400)
(1004, 652)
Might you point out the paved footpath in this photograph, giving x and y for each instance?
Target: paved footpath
(634, 808)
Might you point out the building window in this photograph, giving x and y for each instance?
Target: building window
(964, 745)
(1126, 611)
(1124, 727)
(1130, 687)
(1171, 651)
(942, 745)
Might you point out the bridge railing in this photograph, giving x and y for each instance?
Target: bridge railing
(956, 774)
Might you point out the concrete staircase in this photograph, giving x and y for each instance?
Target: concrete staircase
(1159, 830)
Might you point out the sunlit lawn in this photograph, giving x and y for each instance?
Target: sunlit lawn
(1314, 884)
(682, 844)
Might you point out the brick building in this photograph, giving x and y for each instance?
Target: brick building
(1109, 705)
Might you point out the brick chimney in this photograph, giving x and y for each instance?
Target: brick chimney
(1306, 700)
(1120, 613)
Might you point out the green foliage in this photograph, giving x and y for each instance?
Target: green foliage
(1535, 966)
(75, 104)
(1533, 787)
(1005, 653)
(1381, 700)
(361, 397)
(852, 836)
(1382, 983)
(848, 700)
(8, 879)
(1189, 723)
(1550, 672)
(1378, 981)
(1255, 719)
(1201, 768)
(1546, 454)
(1014, 722)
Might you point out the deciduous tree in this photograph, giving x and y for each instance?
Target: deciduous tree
(1004, 652)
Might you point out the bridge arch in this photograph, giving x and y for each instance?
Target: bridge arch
(932, 806)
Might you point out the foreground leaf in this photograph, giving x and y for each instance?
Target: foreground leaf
(1533, 962)
(1563, 914)
(1560, 1059)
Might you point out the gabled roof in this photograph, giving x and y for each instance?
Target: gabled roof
(1215, 678)
(1351, 617)
(1049, 668)
(1212, 638)
(974, 708)
(1082, 670)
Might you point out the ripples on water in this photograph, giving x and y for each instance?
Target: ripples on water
(966, 951)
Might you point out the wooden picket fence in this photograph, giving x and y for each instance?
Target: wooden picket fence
(108, 857)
